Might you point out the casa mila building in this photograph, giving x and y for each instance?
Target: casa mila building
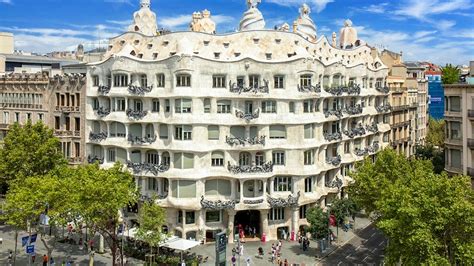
(247, 128)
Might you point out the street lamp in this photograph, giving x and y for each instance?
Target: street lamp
(329, 222)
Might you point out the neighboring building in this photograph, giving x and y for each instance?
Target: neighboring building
(416, 79)
(250, 128)
(435, 92)
(6, 43)
(32, 64)
(58, 102)
(404, 102)
(459, 117)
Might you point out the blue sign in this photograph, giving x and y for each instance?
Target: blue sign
(24, 240)
(30, 249)
(33, 238)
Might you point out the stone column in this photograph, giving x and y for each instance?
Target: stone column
(242, 190)
(183, 224)
(201, 222)
(295, 217)
(101, 244)
(230, 225)
(264, 220)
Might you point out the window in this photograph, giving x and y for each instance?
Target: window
(282, 184)
(244, 158)
(160, 80)
(248, 107)
(308, 106)
(95, 104)
(253, 81)
(183, 189)
(163, 131)
(218, 187)
(40, 117)
(269, 107)
(308, 131)
(17, 117)
(213, 216)
(305, 80)
(308, 184)
(165, 160)
(183, 80)
(120, 80)
(119, 104)
(217, 158)
(213, 132)
(167, 106)
(190, 217)
(6, 117)
(240, 81)
(309, 157)
(183, 132)
(291, 107)
(111, 155)
(456, 130)
(207, 105)
(143, 81)
(218, 82)
(278, 82)
(182, 105)
(117, 130)
(259, 158)
(347, 148)
(278, 158)
(303, 210)
(155, 106)
(180, 217)
(152, 183)
(456, 158)
(455, 104)
(183, 160)
(95, 81)
(278, 132)
(223, 107)
(276, 214)
(152, 157)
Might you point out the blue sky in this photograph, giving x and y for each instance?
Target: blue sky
(440, 31)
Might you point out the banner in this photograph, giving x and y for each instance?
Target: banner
(33, 238)
(24, 240)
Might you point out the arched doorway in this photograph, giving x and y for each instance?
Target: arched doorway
(247, 221)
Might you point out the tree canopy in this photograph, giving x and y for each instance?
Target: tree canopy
(428, 217)
(435, 136)
(151, 218)
(318, 222)
(450, 74)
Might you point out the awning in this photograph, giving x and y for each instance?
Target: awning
(180, 244)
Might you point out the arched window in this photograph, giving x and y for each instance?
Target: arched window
(117, 130)
(152, 157)
(165, 158)
(244, 158)
(136, 156)
(259, 158)
(135, 130)
(150, 131)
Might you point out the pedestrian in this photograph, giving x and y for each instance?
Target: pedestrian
(51, 261)
(278, 260)
(247, 261)
(10, 258)
(254, 231)
(285, 263)
(233, 259)
(33, 258)
(273, 255)
(241, 250)
(45, 260)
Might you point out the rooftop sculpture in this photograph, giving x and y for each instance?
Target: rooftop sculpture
(202, 22)
(348, 36)
(304, 25)
(144, 20)
(253, 18)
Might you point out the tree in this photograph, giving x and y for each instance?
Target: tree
(436, 156)
(151, 218)
(435, 136)
(450, 74)
(29, 150)
(318, 222)
(427, 217)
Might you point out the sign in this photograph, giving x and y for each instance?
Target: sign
(30, 249)
(33, 238)
(24, 240)
(221, 245)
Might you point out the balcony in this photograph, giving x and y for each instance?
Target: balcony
(250, 169)
(247, 117)
(367, 150)
(470, 143)
(138, 90)
(332, 136)
(383, 108)
(336, 112)
(384, 89)
(103, 112)
(359, 130)
(141, 140)
(399, 108)
(290, 201)
(338, 91)
(217, 205)
(148, 198)
(353, 110)
(67, 109)
(310, 88)
(64, 133)
(470, 114)
(372, 128)
(454, 169)
(335, 183)
(103, 90)
(136, 114)
(401, 124)
(97, 137)
(335, 161)
(240, 88)
(236, 141)
(94, 159)
(145, 168)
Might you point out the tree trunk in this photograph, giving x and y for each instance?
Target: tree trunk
(16, 246)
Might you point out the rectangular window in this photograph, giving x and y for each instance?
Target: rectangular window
(282, 184)
(155, 106)
(40, 117)
(17, 117)
(291, 107)
(217, 159)
(183, 132)
(218, 82)
(347, 146)
(278, 132)
(308, 131)
(183, 80)
(95, 81)
(152, 184)
(269, 107)
(163, 131)
(6, 117)
(223, 106)
(190, 217)
(278, 158)
(57, 123)
(309, 157)
(308, 106)
(143, 81)
(213, 132)
(456, 132)
(111, 155)
(120, 80)
(308, 184)
(167, 106)
(276, 214)
(455, 104)
(160, 80)
(213, 216)
(119, 104)
(183, 160)
(183, 106)
(305, 80)
(303, 210)
(253, 81)
(207, 105)
(456, 158)
(278, 82)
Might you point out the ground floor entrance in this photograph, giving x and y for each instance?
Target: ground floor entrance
(247, 222)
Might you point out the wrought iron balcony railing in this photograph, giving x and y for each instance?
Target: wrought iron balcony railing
(102, 89)
(139, 90)
(383, 108)
(141, 140)
(353, 110)
(335, 161)
(359, 130)
(383, 89)
(217, 205)
(94, 159)
(339, 90)
(247, 117)
(337, 113)
(372, 128)
(97, 137)
(332, 136)
(243, 141)
(148, 198)
(136, 114)
(103, 112)
(335, 183)
(154, 169)
(252, 201)
(367, 150)
(290, 201)
(310, 88)
(240, 88)
(250, 169)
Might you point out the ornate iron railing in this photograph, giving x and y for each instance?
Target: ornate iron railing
(240, 88)
(309, 88)
(335, 183)
(367, 150)
(136, 114)
(383, 89)
(141, 140)
(353, 110)
(337, 112)
(102, 89)
(138, 90)
(103, 112)
(291, 201)
(217, 205)
(250, 169)
(332, 136)
(97, 137)
(372, 128)
(154, 169)
(359, 130)
(247, 117)
(350, 90)
(252, 202)
(243, 141)
(144, 198)
(94, 159)
(383, 108)
(334, 160)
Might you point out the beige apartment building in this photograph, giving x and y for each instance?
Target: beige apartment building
(58, 102)
(459, 116)
(416, 79)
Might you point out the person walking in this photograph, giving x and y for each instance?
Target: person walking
(45, 260)
(233, 259)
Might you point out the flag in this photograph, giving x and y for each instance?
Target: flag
(24, 240)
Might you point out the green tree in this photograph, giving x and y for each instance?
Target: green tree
(427, 217)
(436, 156)
(29, 150)
(435, 136)
(318, 222)
(151, 218)
(450, 74)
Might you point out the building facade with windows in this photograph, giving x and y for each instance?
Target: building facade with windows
(435, 92)
(248, 128)
(416, 79)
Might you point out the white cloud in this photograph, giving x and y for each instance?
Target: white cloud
(128, 2)
(421, 34)
(182, 21)
(377, 9)
(120, 22)
(318, 5)
(422, 9)
(5, 1)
